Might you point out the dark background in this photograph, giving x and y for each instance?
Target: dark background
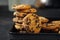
(6, 17)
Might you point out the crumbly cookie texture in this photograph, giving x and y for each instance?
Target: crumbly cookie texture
(33, 21)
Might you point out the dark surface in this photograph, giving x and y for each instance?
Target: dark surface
(14, 35)
(5, 25)
(5, 22)
(6, 19)
(41, 36)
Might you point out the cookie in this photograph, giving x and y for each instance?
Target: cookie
(33, 22)
(15, 19)
(20, 14)
(56, 22)
(50, 26)
(15, 13)
(43, 19)
(19, 27)
(32, 10)
(21, 6)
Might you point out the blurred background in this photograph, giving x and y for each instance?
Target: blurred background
(46, 8)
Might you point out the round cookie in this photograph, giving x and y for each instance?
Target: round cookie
(33, 23)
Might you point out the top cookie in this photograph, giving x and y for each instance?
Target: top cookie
(22, 6)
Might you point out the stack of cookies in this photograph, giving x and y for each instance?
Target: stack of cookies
(25, 19)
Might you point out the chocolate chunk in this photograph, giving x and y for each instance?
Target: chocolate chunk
(38, 26)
